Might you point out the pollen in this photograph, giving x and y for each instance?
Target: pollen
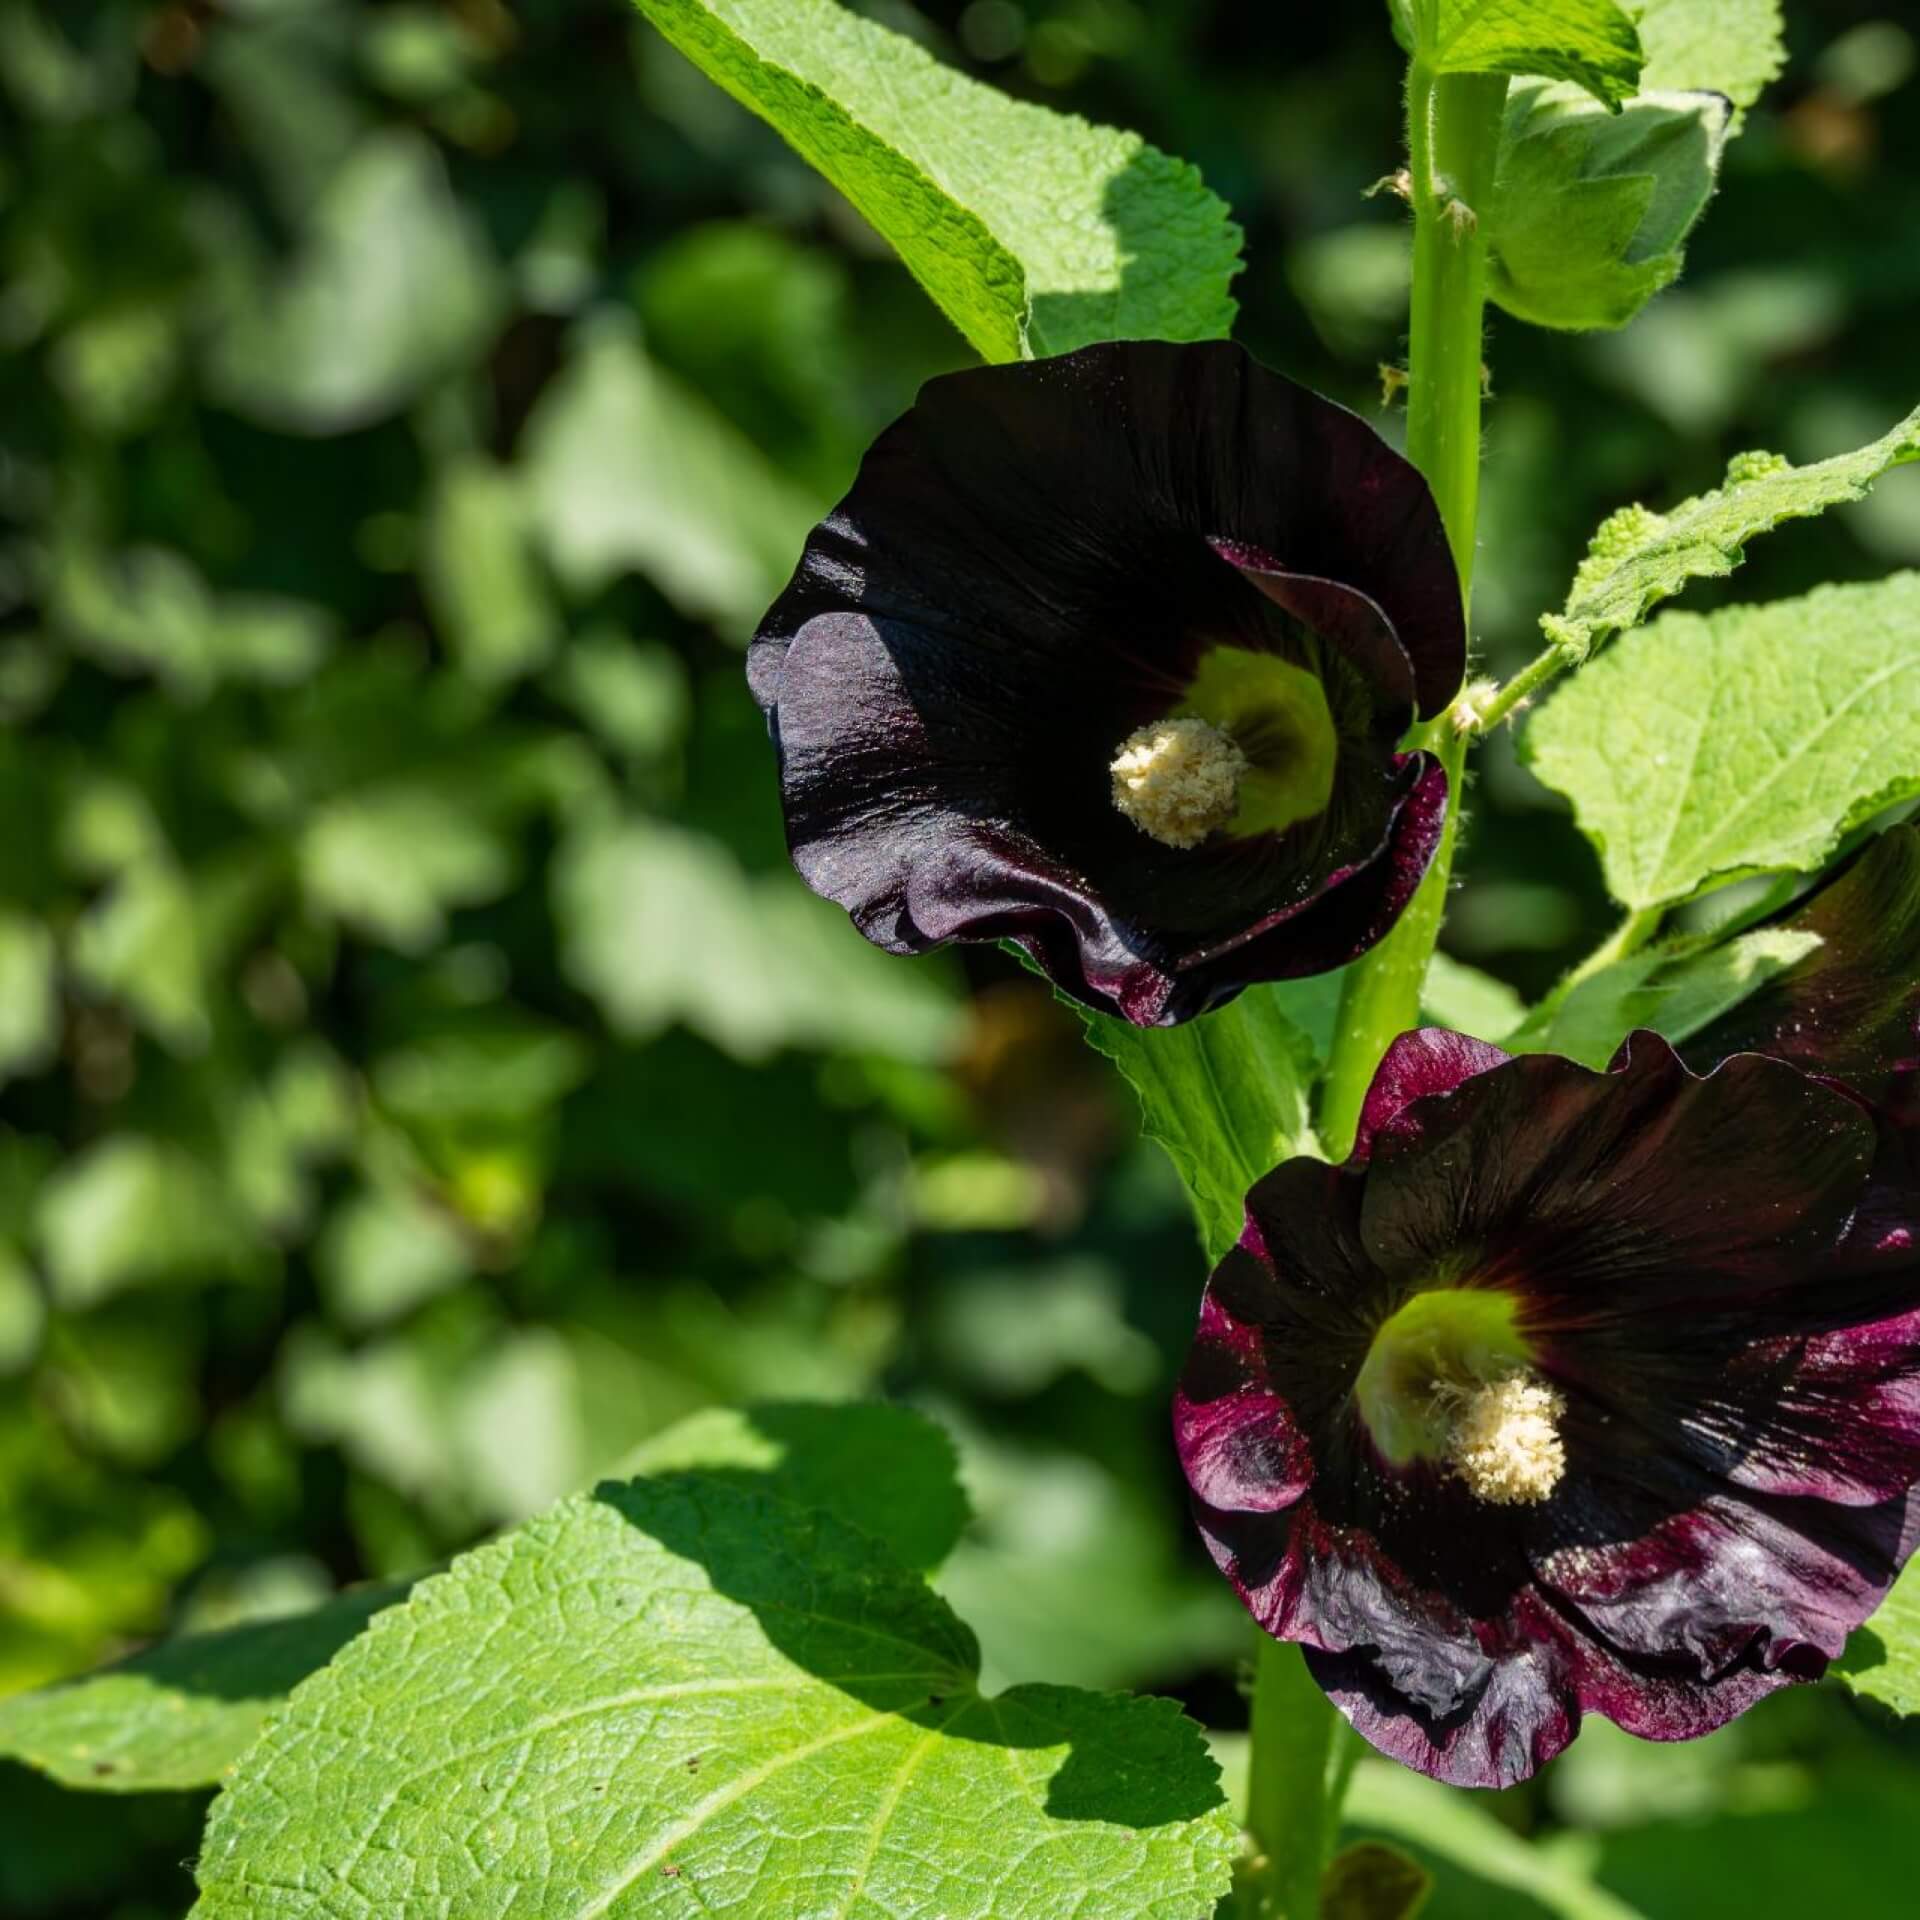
(1178, 780)
(1505, 1441)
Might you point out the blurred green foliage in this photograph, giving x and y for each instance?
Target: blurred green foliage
(423, 1078)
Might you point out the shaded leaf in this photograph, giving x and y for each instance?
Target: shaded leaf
(1033, 231)
(1747, 741)
(481, 580)
(133, 1212)
(1677, 997)
(178, 1715)
(1591, 209)
(884, 1469)
(1462, 997)
(29, 995)
(810, 1723)
(1373, 1882)
(1226, 1095)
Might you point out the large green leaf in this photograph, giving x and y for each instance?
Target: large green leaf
(1731, 47)
(625, 468)
(1675, 995)
(1747, 741)
(178, 1715)
(660, 924)
(1639, 558)
(1227, 1096)
(1033, 231)
(681, 1695)
(353, 331)
(1882, 1659)
(887, 1470)
(1590, 42)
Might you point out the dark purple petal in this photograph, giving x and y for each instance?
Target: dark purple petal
(1032, 566)
(1426, 1062)
(1704, 1272)
(1850, 1011)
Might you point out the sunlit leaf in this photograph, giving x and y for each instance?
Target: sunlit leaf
(1639, 558)
(625, 469)
(1033, 231)
(1746, 741)
(810, 1718)
(354, 330)
(1590, 42)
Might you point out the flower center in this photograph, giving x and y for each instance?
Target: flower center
(1251, 748)
(1505, 1441)
(1178, 780)
(1449, 1379)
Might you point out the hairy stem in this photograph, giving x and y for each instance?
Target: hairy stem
(1301, 1761)
(1453, 138)
(1507, 700)
(1302, 1754)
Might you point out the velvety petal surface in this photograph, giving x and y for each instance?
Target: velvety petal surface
(1031, 566)
(1851, 1009)
(1739, 1373)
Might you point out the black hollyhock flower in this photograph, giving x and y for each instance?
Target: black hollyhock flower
(1111, 655)
(1850, 1011)
(1569, 1392)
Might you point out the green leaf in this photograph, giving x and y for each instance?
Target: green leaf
(1675, 996)
(353, 331)
(148, 610)
(1639, 558)
(1462, 997)
(1033, 231)
(1472, 1850)
(1733, 47)
(481, 580)
(132, 1212)
(1882, 1658)
(1589, 42)
(178, 1715)
(884, 1469)
(661, 925)
(1747, 741)
(626, 469)
(1591, 209)
(678, 1694)
(29, 995)
(1226, 1095)
(394, 860)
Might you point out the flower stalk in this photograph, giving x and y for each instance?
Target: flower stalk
(1453, 134)
(1453, 138)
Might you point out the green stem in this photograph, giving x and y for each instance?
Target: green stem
(1300, 1762)
(1521, 688)
(1453, 137)
(1302, 1754)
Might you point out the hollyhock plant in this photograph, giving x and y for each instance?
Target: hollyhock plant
(1568, 1392)
(1112, 655)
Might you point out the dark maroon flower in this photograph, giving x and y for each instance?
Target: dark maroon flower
(1569, 1392)
(1850, 1011)
(1111, 656)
